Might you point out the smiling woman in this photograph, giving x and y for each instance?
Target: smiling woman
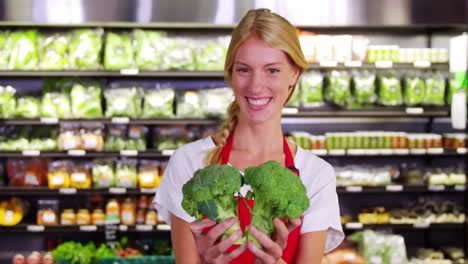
(263, 64)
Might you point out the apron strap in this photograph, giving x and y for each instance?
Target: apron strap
(226, 150)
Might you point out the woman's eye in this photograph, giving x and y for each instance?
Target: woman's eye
(273, 70)
(242, 70)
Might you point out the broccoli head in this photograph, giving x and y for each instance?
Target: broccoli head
(210, 192)
(278, 192)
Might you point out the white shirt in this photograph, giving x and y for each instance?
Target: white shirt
(317, 175)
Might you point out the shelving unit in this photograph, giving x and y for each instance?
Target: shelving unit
(293, 118)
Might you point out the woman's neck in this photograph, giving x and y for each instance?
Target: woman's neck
(266, 137)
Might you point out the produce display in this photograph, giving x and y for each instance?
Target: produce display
(11, 212)
(214, 102)
(118, 53)
(26, 138)
(124, 102)
(188, 105)
(337, 87)
(86, 100)
(389, 90)
(99, 173)
(85, 49)
(121, 137)
(379, 248)
(449, 255)
(179, 54)
(53, 51)
(24, 51)
(149, 49)
(27, 107)
(158, 103)
(7, 101)
(210, 54)
(311, 89)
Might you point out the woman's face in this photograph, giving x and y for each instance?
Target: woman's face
(261, 78)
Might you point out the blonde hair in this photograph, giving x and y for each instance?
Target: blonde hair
(278, 33)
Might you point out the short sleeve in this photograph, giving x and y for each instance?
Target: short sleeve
(324, 211)
(169, 196)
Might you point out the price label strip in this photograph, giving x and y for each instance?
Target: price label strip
(49, 120)
(436, 188)
(35, 228)
(164, 227)
(76, 152)
(144, 228)
(120, 120)
(148, 190)
(394, 188)
(67, 191)
(130, 153)
(422, 225)
(354, 189)
(117, 190)
(414, 110)
(88, 228)
(354, 225)
(31, 153)
(129, 71)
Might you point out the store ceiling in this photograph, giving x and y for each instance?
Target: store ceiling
(300, 12)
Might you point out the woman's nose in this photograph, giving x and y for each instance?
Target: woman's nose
(257, 83)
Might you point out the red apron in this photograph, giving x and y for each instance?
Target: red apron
(244, 214)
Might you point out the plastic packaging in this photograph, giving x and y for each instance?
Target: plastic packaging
(136, 138)
(103, 173)
(311, 86)
(159, 103)
(53, 51)
(80, 176)
(214, 102)
(97, 217)
(24, 52)
(35, 173)
(126, 173)
(7, 101)
(43, 139)
(86, 100)
(211, 54)
(47, 213)
(85, 49)
(112, 212)
(188, 105)
(92, 136)
(116, 138)
(118, 52)
(28, 107)
(59, 174)
(68, 217)
(148, 49)
(56, 105)
(128, 213)
(363, 87)
(15, 170)
(337, 87)
(5, 50)
(415, 89)
(178, 54)
(124, 102)
(148, 174)
(390, 93)
(435, 90)
(69, 137)
(83, 217)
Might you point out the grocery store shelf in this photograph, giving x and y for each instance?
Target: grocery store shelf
(45, 191)
(378, 65)
(86, 154)
(416, 226)
(122, 73)
(396, 188)
(115, 120)
(336, 153)
(411, 112)
(21, 228)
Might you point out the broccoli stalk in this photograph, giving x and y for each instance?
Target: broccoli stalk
(210, 193)
(278, 192)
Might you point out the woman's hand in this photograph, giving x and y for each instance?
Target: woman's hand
(272, 249)
(210, 249)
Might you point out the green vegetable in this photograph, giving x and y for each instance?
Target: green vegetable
(363, 87)
(311, 89)
(159, 103)
(24, 54)
(178, 55)
(103, 174)
(149, 49)
(294, 100)
(53, 52)
(115, 139)
(126, 173)
(85, 49)
(188, 105)
(136, 138)
(337, 88)
(278, 192)
(390, 93)
(378, 248)
(210, 193)
(75, 252)
(118, 52)
(435, 90)
(86, 101)
(5, 50)
(56, 105)
(28, 107)
(123, 102)
(7, 102)
(454, 87)
(210, 56)
(104, 252)
(415, 90)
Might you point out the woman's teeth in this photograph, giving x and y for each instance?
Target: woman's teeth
(258, 101)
